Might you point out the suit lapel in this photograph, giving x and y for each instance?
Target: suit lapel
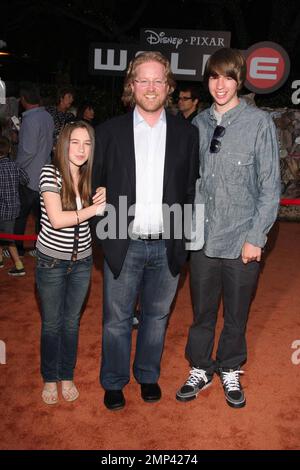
(170, 143)
(127, 146)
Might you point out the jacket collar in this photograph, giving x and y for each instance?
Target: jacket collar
(230, 115)
(33, 110)
(138, 118)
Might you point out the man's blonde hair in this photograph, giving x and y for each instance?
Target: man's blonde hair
(150, 56)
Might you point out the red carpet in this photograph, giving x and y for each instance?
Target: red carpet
(270, 419)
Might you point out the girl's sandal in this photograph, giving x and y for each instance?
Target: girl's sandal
(70, 393)
(49, 396)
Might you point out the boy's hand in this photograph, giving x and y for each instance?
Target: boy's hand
(250, 253)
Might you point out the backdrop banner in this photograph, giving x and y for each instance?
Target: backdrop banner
(268, 64)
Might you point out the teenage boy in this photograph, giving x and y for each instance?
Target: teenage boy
(240, 189)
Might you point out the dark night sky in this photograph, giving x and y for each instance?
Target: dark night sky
(46, 36)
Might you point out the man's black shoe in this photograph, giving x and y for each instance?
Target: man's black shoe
(150, 392)
(114, 399)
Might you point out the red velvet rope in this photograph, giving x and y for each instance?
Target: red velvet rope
(11, 236)
(290, 202)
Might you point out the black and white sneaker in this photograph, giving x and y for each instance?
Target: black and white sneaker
(234, 393)
(197, 381)
(16, 272)
(135, 321)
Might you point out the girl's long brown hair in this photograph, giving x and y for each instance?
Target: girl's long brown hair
(61, 162)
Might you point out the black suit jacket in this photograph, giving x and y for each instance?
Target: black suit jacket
(114, 168)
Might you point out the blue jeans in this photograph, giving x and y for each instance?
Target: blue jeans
(62, 286)
(146, 274)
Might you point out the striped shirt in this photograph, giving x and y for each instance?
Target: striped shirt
(58, 243)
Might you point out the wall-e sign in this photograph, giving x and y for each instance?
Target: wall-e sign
(268, 64)
(187, 50)
(268, 67)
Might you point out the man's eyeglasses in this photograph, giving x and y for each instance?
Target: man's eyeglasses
(184, 98)
(147, 83)
(215, 144)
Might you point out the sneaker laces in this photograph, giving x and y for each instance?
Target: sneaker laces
(231, 380)
(195, 376)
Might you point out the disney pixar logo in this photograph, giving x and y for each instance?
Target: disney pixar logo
(166, 38)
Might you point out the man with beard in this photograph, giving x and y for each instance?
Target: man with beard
(150, 158)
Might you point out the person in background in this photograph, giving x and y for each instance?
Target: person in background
(188, 101)
(151, 158)
(11, 177)
(64, 255)
(240, 190)
(86, 112)
(34, 151)
(60, 113)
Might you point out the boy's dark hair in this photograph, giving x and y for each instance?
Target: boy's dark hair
(228, 62)
(4, 145)
(30, 92)
(61, 92)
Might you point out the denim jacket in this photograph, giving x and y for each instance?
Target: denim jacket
(240, 185)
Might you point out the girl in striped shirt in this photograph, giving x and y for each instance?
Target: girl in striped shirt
(64, 255)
